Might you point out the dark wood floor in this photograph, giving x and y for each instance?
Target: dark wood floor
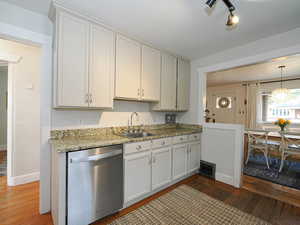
(19, 205)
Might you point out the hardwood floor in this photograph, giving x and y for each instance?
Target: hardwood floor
(19, 205)
(272, 190)
(2, 156)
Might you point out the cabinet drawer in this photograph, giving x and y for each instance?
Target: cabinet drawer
(137, 147)
(180, 139)
(194, 137)
(158, 143)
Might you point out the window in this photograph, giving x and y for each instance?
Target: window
(290, 109)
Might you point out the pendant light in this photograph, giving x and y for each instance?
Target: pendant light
(280, 95)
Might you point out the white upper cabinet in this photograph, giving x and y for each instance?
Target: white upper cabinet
(167, 84)
(72, 61)
(183, 85)
(150, 77)
(128, 69)
(102, 67)
(85, 64)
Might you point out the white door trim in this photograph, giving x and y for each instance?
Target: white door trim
(14, 33)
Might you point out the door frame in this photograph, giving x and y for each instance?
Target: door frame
(14, 33)
(202, 75)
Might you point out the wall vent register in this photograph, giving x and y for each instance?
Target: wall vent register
(207, 169)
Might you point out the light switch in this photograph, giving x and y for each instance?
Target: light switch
(29, 86)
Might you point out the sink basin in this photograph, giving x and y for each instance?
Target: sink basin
(137, 135)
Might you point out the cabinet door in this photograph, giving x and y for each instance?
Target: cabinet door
(137, 168)
(150, 78)
(161, 167)
(194, 157)
(179, 161)
(183, 85)
(128, 69)
(72, 64)
(101, 74)
(168, 82)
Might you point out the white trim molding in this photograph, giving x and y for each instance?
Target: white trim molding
(24, 179)
(3, 148)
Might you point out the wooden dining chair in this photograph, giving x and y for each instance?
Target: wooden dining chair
(258, 140)
(290, 145)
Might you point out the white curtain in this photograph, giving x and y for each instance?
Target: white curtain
(252, 101)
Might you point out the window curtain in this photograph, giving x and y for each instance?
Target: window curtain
(252, 107)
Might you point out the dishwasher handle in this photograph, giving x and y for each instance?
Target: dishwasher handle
(98, 157)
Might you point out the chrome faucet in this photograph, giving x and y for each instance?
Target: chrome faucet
(131, 118)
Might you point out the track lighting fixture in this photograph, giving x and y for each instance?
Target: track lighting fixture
(229, 5)
(211, 3)
(232, 19)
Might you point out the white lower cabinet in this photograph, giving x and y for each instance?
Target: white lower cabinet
(180, 160)
(137, 174)
(161, 167)
(194, 156)
(151, 165)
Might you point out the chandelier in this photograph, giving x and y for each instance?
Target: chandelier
(280, 95)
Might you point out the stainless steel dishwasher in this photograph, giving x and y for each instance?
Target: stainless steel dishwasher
(94, 184)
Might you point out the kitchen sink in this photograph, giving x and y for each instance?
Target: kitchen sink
(136, 134)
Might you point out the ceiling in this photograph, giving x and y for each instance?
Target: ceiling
(184, 26)
(262, 71)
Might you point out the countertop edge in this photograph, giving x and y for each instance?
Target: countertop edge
(124, 140)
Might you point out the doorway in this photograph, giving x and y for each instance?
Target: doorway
(3, 118)
(20, 113)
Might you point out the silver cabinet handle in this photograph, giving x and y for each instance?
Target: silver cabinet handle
(150, 160)
(138, 91)
(139, 147)
(91, 99)
(86, 98)
(153, 159)
(142, 92)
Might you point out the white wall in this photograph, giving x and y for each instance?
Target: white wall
(14, 15)
(24, 102)
(62, 119)
(225, 140)
(3, 107)
(226, 58)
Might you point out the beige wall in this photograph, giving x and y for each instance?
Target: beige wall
(3, 107)
(236, 90)
(24, 102)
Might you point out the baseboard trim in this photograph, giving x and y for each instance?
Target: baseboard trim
(24, 179)
(225, 178)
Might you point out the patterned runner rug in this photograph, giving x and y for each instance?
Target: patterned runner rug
(184, 206)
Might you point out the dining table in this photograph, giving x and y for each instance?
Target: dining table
(274, 139)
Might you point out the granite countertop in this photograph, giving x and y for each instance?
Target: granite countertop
(73, 140)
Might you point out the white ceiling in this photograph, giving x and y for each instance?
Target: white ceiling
(184, 26)
(261, 71)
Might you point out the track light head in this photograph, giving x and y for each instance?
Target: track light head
(211, 3)
(232, 20)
